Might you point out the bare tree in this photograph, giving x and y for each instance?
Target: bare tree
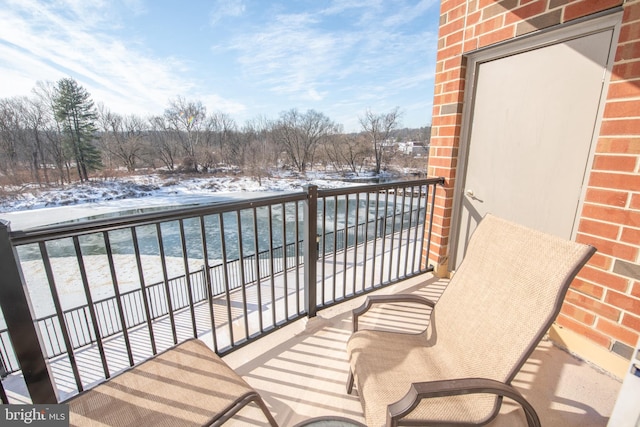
(162, 142)
(124, 136)
(45, 92)
(259, 153)
(378, 128)
(187, 119)
(348, 152)
(300, 135)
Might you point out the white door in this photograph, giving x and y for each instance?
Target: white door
(529, 135)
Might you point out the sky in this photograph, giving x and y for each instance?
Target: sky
(245, 58)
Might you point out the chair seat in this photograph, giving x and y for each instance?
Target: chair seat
(188, 385)
(385, 364)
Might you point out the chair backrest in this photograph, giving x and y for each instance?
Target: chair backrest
(503, 298)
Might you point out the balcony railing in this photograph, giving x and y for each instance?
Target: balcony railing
(104, 295)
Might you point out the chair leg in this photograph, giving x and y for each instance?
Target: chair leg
(350, 382)
(265, 410)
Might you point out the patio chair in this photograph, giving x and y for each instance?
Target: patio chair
(187, 385)
(497, 307)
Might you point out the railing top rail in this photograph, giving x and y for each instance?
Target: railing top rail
(59, 231)
(379, 187)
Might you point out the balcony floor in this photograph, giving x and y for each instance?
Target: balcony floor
(301, 370)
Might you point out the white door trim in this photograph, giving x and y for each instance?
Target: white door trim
(609, 20)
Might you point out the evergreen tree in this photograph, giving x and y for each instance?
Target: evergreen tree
(76, 113)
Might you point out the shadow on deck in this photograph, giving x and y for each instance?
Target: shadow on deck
(301, 370)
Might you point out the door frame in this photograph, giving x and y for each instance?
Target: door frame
(603, 21)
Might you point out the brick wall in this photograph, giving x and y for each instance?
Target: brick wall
(603, 304)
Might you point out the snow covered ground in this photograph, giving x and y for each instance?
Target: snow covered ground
(35, 207)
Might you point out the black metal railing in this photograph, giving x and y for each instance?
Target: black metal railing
(262, 263)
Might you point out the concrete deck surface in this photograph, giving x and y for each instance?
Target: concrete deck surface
(301, 370)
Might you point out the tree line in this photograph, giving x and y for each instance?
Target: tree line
(59, 135)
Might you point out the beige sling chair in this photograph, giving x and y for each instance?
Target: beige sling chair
(187, 385)
(497, 307)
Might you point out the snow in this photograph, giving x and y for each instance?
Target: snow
(35, 207)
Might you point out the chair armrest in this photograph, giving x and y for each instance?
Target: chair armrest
(425, 390)
(380, 299)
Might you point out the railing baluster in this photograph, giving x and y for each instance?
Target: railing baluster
(324, 248)
(284, 262)
(384, 235)
(406, 260)
(185, 259)
(208, 284)
(90, 305)
(296, 249)
(335, 247)
(375, 240)
(345, 246)
(366, 241)
(355, 243)
(167, 288)
(116, 290)
(400, 233)
(271, 267)
(256, 245)
(225, 275)
(242, 278)
(44, 255)
(310, 250)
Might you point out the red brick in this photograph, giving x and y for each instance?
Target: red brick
(628, 51)
(611, 281)
(447, 5)
(449, 130)
(578, 314)
(635, 289)
(454, 38)
(607, 197)
(611, 214)
(615, 181)
(591, 289)
(600, 229)
(497, 36)
(618, 332)
(451, 27)
(601, 261)
(620, 127)
(622, 109)
(583, 330)
(629, 32)
(593, 305)
(608, 247)
(625, 302)
(619, 145)
(623, 89)
(631, 235)
(626, 71)
(445, 120)
(631, 12)
(615, 163)
(631, 322)
(587, 7)
(635, 202)
(457, 12)
(525, 12)
(446, 76)
(449, 52)
(489, 25)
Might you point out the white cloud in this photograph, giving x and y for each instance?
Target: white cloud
(225, 8)
(43, 42)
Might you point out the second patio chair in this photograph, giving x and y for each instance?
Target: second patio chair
(497, 307)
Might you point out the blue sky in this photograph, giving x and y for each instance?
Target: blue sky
(246, 58)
